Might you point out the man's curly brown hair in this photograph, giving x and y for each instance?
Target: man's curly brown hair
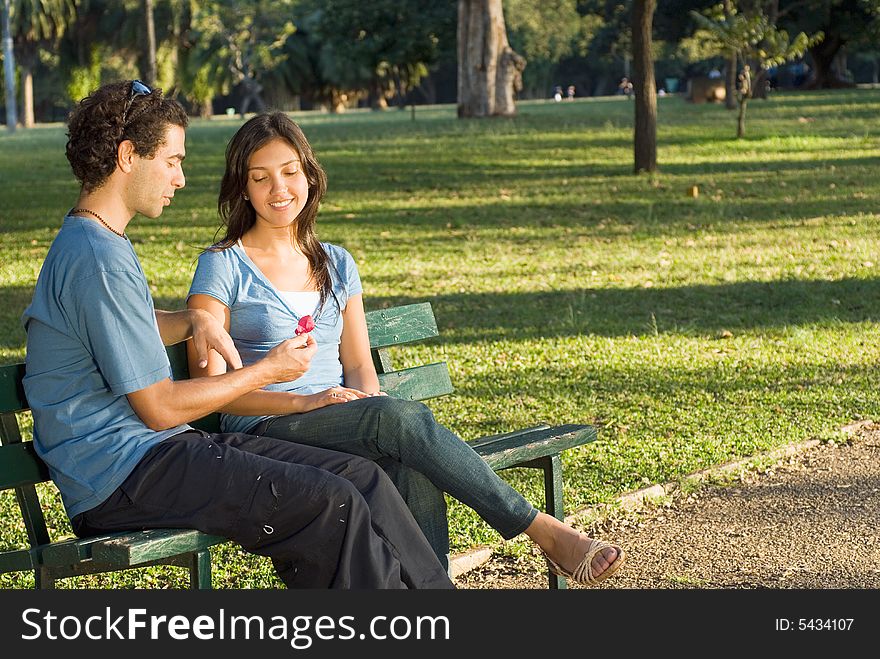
(105, 118)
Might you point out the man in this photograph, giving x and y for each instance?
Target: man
(112, 425)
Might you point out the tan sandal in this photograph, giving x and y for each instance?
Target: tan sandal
(583, 573)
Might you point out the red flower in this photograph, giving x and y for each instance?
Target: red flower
(306, 325)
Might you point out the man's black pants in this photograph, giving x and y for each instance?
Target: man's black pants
(326, 519)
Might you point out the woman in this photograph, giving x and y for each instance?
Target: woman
(268, 272)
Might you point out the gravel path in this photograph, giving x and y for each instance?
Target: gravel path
(807, 521)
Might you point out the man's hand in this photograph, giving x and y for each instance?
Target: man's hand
(208, 334)
(290, 359)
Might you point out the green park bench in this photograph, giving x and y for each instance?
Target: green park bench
(538, 447)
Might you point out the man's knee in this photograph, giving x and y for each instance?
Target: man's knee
(365, 474)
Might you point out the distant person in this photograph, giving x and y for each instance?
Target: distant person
(570, 93)
(267, 273)
(625, 87)
(557, 93)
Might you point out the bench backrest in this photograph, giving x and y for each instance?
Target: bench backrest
(21, 468)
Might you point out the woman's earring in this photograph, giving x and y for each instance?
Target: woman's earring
(246, 198)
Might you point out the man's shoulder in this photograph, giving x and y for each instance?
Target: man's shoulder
(82, 251)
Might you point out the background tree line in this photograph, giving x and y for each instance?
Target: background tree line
(332, 54)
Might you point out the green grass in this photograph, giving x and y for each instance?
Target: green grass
(690, 331)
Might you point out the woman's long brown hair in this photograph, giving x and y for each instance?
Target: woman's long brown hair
(238, 214)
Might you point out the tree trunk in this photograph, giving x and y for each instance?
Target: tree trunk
(251, 94)
(744, 93)
(150, 54)
(508, 82)
(27, 93)
(730, 82)
(489, 71)
(377, 95)
(760, 83)
(644, 87)
(823, 75)
(9, 70)
(730, 78)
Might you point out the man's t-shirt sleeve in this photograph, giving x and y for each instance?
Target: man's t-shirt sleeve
(114, 317)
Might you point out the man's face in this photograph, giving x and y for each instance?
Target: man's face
(154, 180)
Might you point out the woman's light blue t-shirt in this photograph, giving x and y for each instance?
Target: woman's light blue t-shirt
(260, 318)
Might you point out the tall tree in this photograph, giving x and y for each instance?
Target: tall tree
(644, 86)
(843, 22)
(9, 69)
(489, 70)
(150, 45)
(36, 24)
(731, 71)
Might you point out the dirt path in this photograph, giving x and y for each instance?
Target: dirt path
(808, 521)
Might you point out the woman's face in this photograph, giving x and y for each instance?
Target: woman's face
(276, 184)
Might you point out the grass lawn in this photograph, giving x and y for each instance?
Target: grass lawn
(690, 331)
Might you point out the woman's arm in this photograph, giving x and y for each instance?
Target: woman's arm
(354, 348)
(259, 402)
(207, 336)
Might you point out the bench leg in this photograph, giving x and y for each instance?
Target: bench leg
(43, 579)
(200, 570)
(554, 506)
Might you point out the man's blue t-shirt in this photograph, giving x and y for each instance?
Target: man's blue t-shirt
(92, 338)
(260, 317)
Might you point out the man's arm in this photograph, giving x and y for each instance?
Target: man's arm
(169, 403)
(204, 329)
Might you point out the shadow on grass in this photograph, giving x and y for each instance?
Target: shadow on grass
(431, 174)
(690, 310)
(684, 402)
(696, 310)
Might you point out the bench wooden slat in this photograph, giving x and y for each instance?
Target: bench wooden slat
(417, 383)
(17, 560)
(12, 398)
(128, 549)
(144, 546)
(512, 451)
(20, 465)
(404, 324)
(489, 439)
(69, 551)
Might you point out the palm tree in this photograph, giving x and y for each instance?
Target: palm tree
(36, 24)
(9, 70)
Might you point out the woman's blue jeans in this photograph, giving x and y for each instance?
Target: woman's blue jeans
(422, 458)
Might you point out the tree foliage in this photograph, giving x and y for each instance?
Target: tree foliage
(757, 42)
(383, 46)
(546, 32)
(235, 43)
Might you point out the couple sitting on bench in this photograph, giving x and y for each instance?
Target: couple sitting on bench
(294, 474)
